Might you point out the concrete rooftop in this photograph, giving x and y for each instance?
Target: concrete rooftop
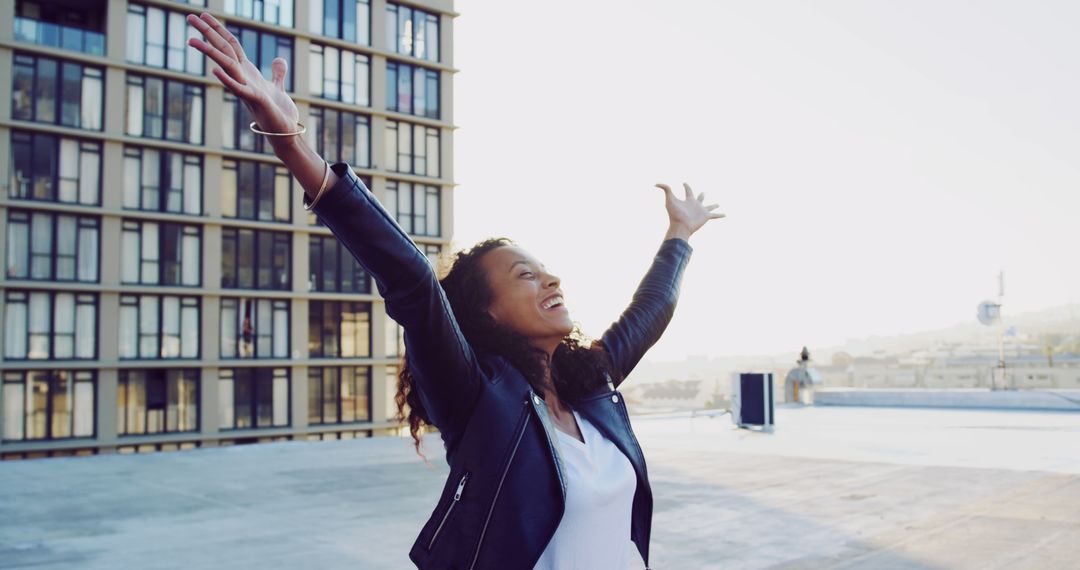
(878, 488)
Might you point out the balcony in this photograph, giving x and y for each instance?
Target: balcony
(64, 24)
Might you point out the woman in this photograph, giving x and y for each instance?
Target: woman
(545, 471)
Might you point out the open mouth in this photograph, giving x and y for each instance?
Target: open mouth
(553, 304)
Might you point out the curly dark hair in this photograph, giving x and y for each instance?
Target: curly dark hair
(577, 366)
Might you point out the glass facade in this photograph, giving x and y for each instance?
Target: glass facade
(159, 326)
(413, 90)
(255, 259)
(51, 246)
(340, 136)
(158, 38)
(349, 20)
(339, 329)
(48, 404)
(168, 109)
(333, 268)
(254, 328)
(416, 206)
(412, 149)
(161, 253)
(339, 394)
(253, 398)
(50, 325)
(277, 12)
(412, 32)
(162, 181)
(55, 169)
(79, 26)
(256, 191)
(66, 93)
(157, 401)
(339, 75)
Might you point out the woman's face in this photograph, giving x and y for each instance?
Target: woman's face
(527, 299)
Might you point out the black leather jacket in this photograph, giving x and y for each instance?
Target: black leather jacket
(505, 493)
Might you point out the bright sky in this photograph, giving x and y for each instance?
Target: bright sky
(879, 162)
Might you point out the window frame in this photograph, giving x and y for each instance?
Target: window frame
(159, 375)
(317, 267)
(276, 306)
(336, 311)
(318, 133)
(432, 92)
(275, 237)
(134, 225)
(27, 218)
(58, 90)
(231, 375)
(192, 93)
(191, 59)
(50, 333)
(159, 333)
(393, 204)
(24, 378)
(317, 387)
(52, 146)
(164, 174)
(231, 170)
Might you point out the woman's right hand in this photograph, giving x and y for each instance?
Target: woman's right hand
(273, 109)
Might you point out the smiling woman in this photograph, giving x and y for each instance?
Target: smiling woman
(493, 361)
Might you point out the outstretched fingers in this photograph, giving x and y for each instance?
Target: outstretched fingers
(689, 192)
(666, 189)
(224, 33)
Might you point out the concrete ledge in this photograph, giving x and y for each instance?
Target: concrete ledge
(1062, 400)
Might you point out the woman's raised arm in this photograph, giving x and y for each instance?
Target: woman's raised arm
(642, 323)
(447, 374)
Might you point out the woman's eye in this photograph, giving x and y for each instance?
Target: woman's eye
(526, 273)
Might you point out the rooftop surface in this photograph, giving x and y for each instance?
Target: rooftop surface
(878, 488)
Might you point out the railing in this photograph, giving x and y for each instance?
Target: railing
(60, 36)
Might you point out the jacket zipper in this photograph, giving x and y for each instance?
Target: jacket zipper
(446, 515)
(491, 509)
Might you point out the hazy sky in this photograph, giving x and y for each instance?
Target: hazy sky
(879, 162)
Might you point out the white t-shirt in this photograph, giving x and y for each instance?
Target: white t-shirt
(594, 533)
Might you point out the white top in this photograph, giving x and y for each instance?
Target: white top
(594, 533)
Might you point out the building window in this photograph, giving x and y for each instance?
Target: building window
(253, 397)
(160, 253)
(256, 191)
(339, 329)
(414, 32)
(254, 328)
(313, 219)
(277, 12)
(48, 404)
(77, 26)
(159, 326)
(47, 90)
(53, 247)
(167, 109)
(413, 90)
(162, 181)
(340, 136)
(50, 325)
(262, 47)
(55, 169)
(344, 19)
(340, 75)
(415, 206)
(339, 395)
(255, 259)
(412, 149)
(235, 128)
(333, 268)
(162, 400)
(158, 38)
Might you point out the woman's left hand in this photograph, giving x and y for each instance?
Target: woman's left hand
(690, 214)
